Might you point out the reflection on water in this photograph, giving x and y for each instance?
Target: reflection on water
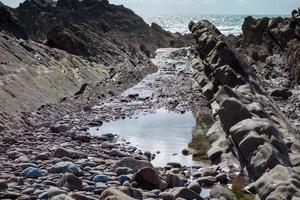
(164, 131)
(199, 141)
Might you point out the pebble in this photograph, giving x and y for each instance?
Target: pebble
(100, 178)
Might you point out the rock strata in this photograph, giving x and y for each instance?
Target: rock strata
(250, 132)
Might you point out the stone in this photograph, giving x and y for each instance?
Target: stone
(62, 197)
(123, 178)
(32, 172)
(132, 192)
(54, 191)
(26, 165)
(175, 180)
(132, 163)
(207, 181)
(185, 193)
(117, 153)
(60, 128)
(28, 191)
(222, 178)
(219, 191)
(79, 196)
(166, 196)
(114, 194)
(148, 154)
(63, 152)
(208, 172)
(194, 186)
(123, 171)
(174, 164)
(3, 185)
(100, 178)
(43, 156)
(63, 167)
(148, 179)
(70, 181)
(282, 93)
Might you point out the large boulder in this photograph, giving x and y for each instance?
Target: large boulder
(149, 179)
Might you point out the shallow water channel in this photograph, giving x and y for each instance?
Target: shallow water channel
(161, 112)
(162, 131)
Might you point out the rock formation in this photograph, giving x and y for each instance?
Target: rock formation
(249, 127)
(59, 56)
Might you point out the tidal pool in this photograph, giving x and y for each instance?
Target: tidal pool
(164, 131)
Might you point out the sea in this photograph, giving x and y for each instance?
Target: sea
(227, 24)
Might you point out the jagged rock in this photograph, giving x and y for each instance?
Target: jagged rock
(279, 183)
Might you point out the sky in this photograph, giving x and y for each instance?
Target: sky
(265, 7)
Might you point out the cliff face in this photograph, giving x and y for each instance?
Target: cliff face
(59, 56)
(91, 28)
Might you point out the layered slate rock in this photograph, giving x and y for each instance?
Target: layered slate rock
(58, 56)
(249, 126)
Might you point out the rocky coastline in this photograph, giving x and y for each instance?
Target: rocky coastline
(75, 64)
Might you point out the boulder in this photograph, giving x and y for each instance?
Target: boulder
(70, 181)
(207, 181)
(32, 172)
(219, 191)
(149, 179)
(175, 180)
(194, 186)
(185, 193)
(132, 163)
(282, 93)
(63, 167)
(63, 152)
(114, 194)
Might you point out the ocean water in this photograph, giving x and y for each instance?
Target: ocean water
(227, 24)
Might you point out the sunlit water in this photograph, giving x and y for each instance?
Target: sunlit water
(227, 24)
(164, 131)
